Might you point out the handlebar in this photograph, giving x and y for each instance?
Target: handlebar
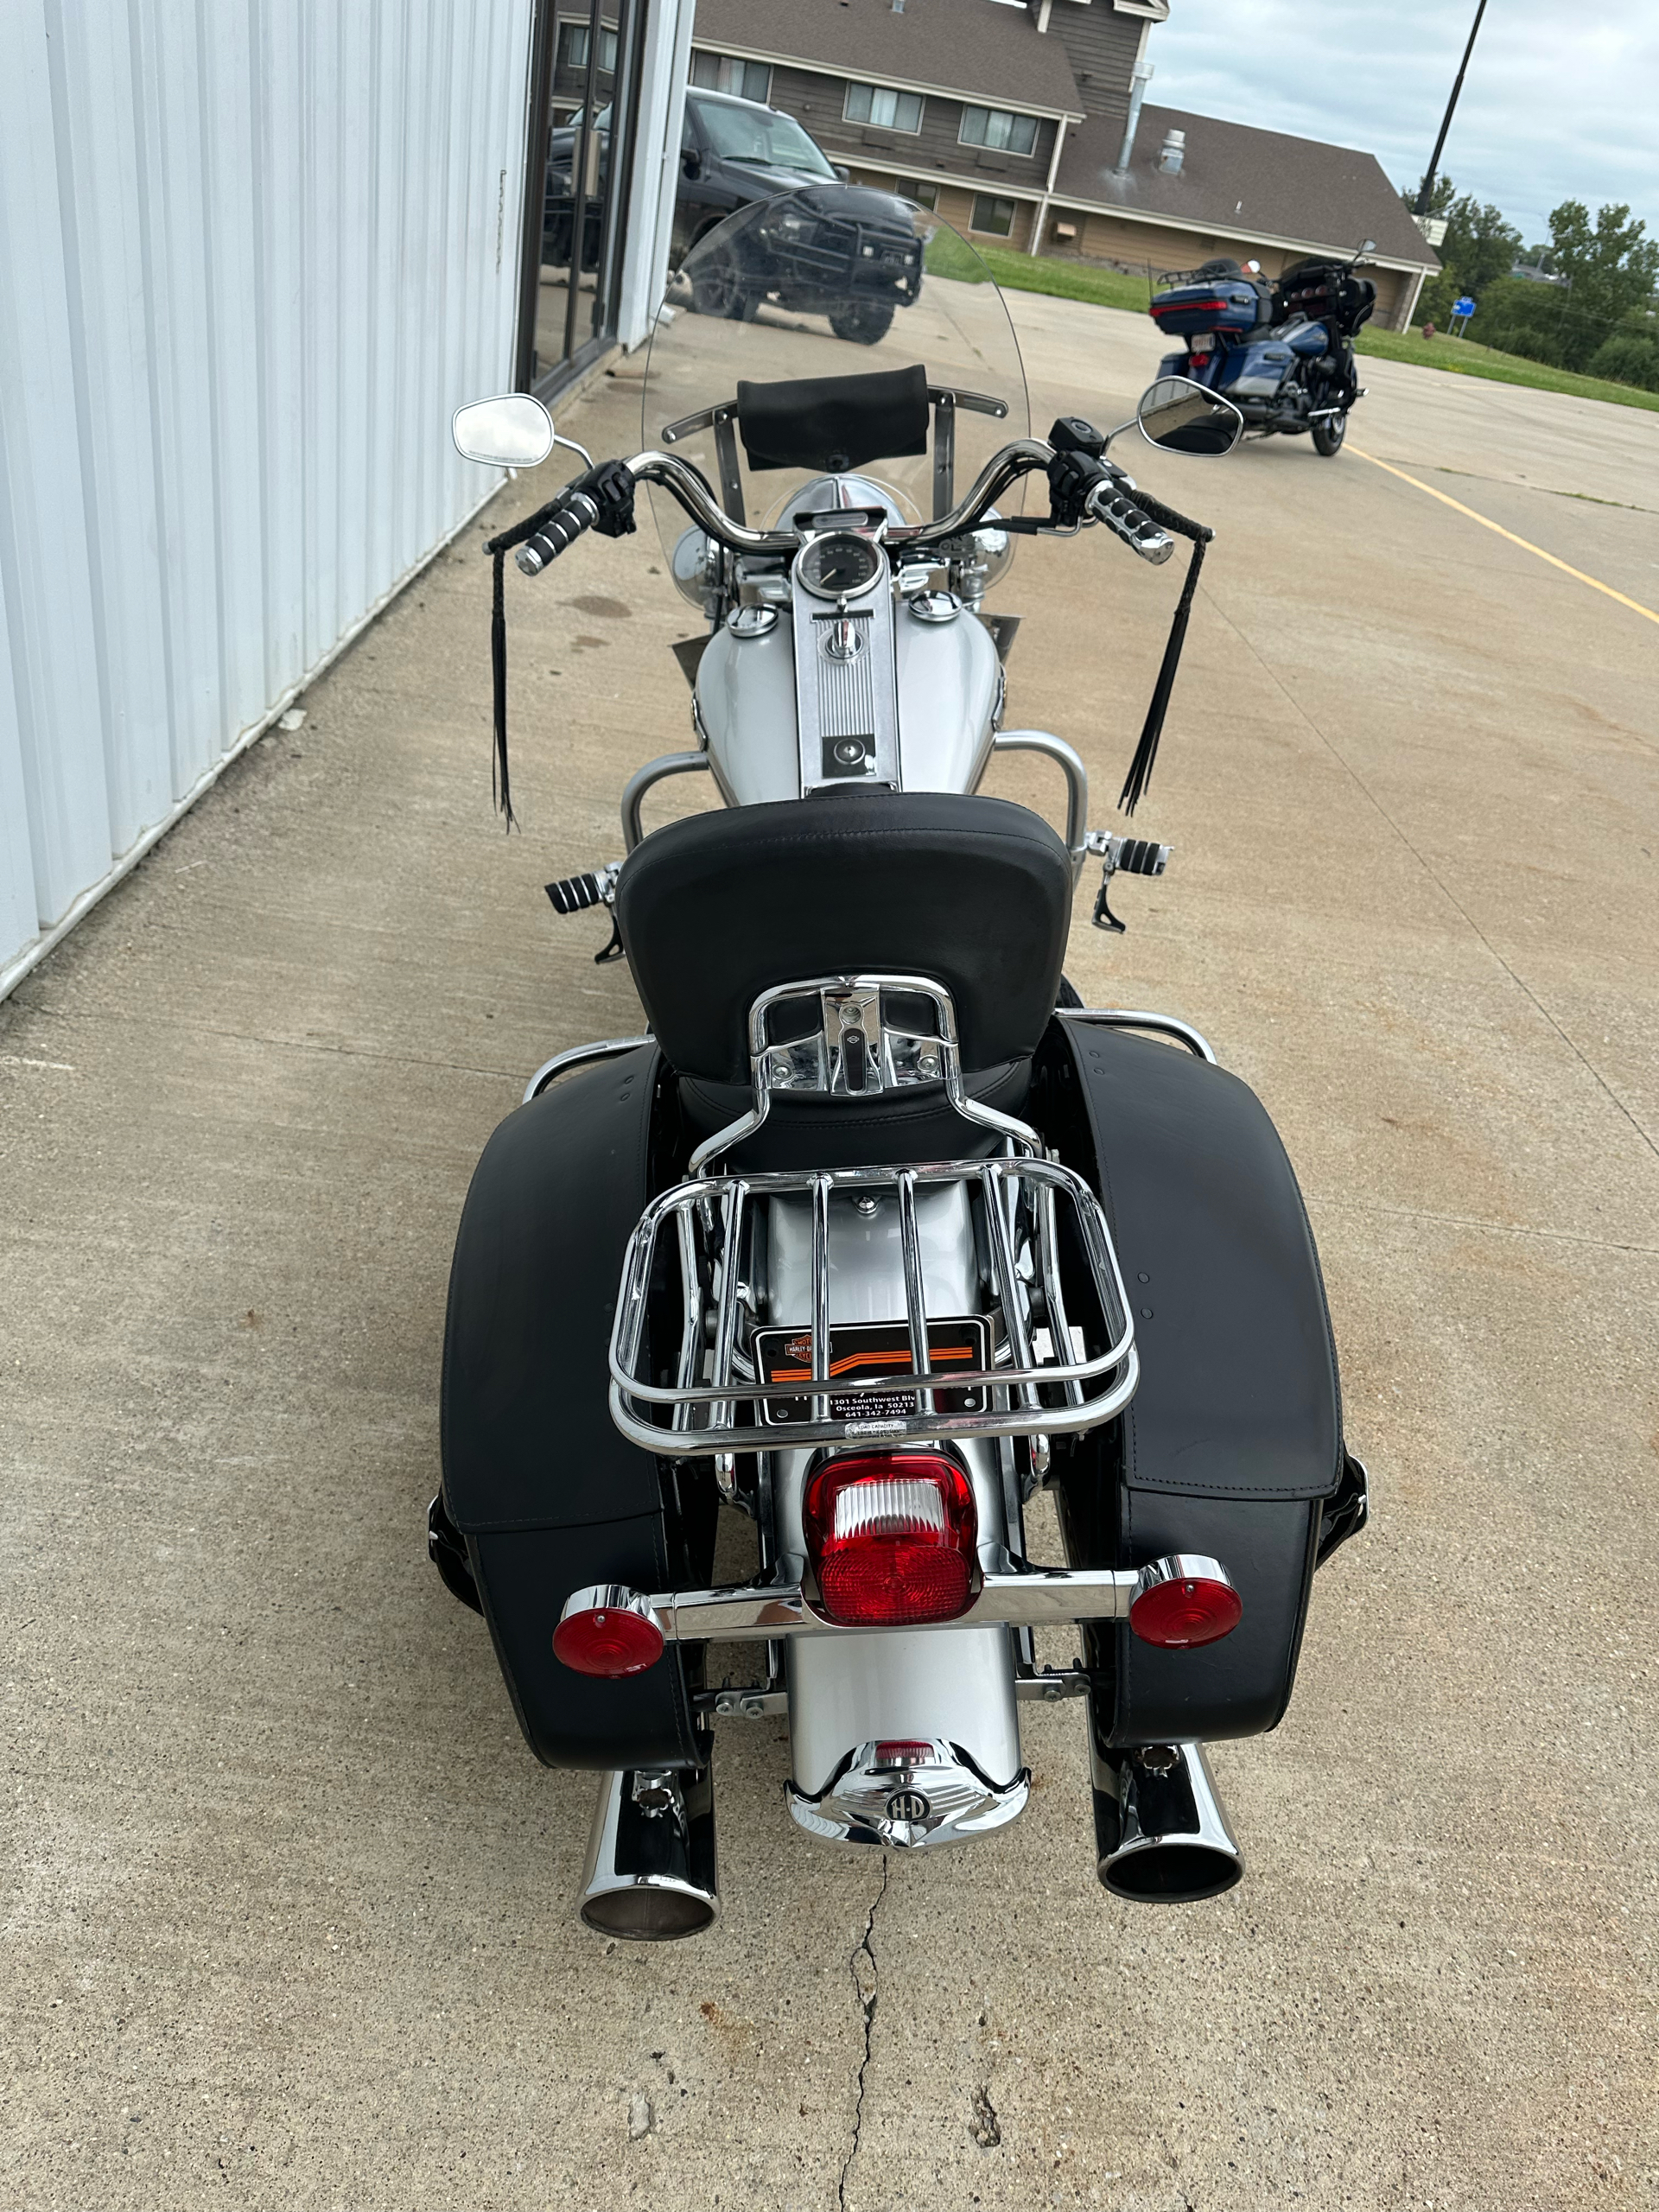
(687, 484)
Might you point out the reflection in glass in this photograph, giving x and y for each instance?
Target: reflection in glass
(835, 281)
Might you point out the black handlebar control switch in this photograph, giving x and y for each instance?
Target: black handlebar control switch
(1071, 434)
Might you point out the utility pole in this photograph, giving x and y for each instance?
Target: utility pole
(1426, 196)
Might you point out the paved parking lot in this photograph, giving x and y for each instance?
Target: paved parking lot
(288, 1907)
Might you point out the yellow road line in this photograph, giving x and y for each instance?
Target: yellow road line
(1445, 499)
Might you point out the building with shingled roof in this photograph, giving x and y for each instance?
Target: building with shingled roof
(1026, 123)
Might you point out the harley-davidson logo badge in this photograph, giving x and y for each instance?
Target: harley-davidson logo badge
(875, 1351)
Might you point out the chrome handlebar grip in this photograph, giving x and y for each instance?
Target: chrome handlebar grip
(1110, 505)
(578, 513)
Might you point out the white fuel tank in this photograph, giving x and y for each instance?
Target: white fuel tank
(950, 685)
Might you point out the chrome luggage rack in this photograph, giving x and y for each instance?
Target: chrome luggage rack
(1026, 1210)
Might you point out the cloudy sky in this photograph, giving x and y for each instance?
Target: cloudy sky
(1562, 101)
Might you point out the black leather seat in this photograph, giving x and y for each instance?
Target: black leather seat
(974, 892)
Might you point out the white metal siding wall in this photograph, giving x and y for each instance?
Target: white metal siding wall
(252, 255)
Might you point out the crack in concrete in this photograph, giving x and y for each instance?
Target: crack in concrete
(867, 2005)
(1476, 1221)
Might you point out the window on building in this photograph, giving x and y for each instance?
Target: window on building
(728, 73)
(573, 48)
(882, 104)
(992, 216)
(924, 190)
(998, 128)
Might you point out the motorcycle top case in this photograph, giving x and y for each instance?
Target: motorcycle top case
(548, 1494)
(1226, 305)
(1232, 1443)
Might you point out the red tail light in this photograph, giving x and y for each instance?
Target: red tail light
(892, 1537)
(607, 1639)
(1184, 1607)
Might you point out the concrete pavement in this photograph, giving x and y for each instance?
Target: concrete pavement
(288, 1904)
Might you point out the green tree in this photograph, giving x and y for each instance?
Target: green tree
(1610, 267)
(1628, 358)
(1612, 264)
(1440, 199)
(1478, 249)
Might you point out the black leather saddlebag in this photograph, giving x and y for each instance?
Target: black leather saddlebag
(546, 1492)
(1232, 1445)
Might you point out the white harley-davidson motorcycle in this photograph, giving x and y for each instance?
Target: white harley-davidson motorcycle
(876, 1230)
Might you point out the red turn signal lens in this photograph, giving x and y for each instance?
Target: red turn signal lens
(892, 1537)
(1186, 1611)
(607, 1640)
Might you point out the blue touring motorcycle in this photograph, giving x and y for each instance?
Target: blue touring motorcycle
(1283, 353)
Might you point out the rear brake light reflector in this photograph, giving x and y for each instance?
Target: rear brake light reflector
(910, 1753)
(893, 1538)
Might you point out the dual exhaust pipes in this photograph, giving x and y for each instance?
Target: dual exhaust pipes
(1161, 1835)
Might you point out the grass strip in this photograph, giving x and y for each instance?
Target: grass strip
(1461, 357)
(947, 256)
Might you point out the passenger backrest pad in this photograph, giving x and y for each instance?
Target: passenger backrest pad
(974, 892)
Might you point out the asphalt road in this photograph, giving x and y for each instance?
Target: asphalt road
(288, 1907)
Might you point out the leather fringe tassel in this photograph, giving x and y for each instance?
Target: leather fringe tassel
(1146, 753)
(500, 781)
(498, 547)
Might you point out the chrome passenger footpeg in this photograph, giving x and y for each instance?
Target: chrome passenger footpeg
(573, 895)
(1126, 855)
(908, 1796)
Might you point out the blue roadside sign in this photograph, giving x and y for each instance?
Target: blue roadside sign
(1465, 306)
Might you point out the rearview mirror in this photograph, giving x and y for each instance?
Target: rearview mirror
(1183, 417)
(514, 431)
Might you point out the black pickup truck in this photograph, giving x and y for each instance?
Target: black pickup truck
(841, 249)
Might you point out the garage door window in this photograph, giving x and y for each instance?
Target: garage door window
(994, 217)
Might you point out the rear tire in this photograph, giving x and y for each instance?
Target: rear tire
(861, 322)
(1328, 435)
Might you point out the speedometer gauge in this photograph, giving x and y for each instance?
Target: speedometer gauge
(838, 566)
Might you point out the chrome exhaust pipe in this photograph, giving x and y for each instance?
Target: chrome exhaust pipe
(651, 1875)
(1161, 1834)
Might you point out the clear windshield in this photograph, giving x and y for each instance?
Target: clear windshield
(836, 280)
(760, 135)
